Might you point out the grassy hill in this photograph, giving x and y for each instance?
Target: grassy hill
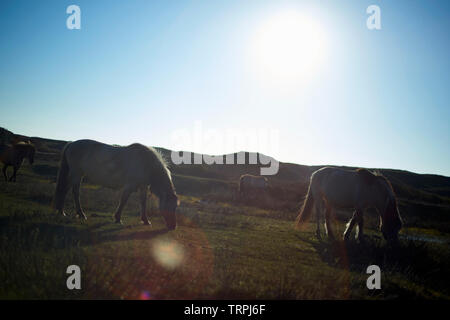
(223, 247)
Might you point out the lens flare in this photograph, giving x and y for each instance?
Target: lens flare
(145, 295)
(168, 253)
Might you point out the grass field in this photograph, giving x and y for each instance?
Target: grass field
(221, 249)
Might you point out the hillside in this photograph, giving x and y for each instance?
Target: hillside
(289, 173)
(224, 247)
(422, 197)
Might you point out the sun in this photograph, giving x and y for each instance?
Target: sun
(289, 46)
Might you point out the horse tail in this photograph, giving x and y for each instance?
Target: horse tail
(306, 210)
(62, 182)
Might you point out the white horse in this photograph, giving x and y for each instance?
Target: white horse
(249, 184)
(134, 167)
(359, 189)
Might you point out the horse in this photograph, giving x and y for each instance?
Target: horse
(249, 183)
(132, 168)
(13, 155)
(331, 188)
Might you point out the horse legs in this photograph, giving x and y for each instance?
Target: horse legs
(351, 223)
(62, 188)
(15, 172)
(5, 167)
(143, 199)
(63, 196)
(359, 229)
(13, 177)
(123, 200)
(76, 197)
(319, 209)
(318, 226)
(328, 229)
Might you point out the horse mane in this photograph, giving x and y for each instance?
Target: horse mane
(24, 145)
(392, 205)
(371, 176)
(367, 176)
(379, 175)
(395, 219)
(160, 157)
(154, 156)
(162, 160)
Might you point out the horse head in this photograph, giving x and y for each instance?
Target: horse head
(31, 152)
(168, 204)
(24, 149)
(391, 222)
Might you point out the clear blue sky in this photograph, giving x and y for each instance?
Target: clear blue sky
(139, 70)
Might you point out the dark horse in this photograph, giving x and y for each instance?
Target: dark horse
(331, 188)
(13, 155)
(132, 168)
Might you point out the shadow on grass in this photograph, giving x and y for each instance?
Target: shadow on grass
(140, 235)
(45, 235)
(420, 262)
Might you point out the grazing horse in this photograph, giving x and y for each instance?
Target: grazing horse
(359, 189)
(249, 184)
(132, 168)
(14, 155)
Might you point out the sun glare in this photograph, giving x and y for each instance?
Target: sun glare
(168, 253)
(289, 47)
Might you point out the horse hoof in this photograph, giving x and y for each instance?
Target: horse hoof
(118, 222)
(146, 223)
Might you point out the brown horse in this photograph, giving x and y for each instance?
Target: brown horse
(13, 155)
(132, 168)
(359, 189)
